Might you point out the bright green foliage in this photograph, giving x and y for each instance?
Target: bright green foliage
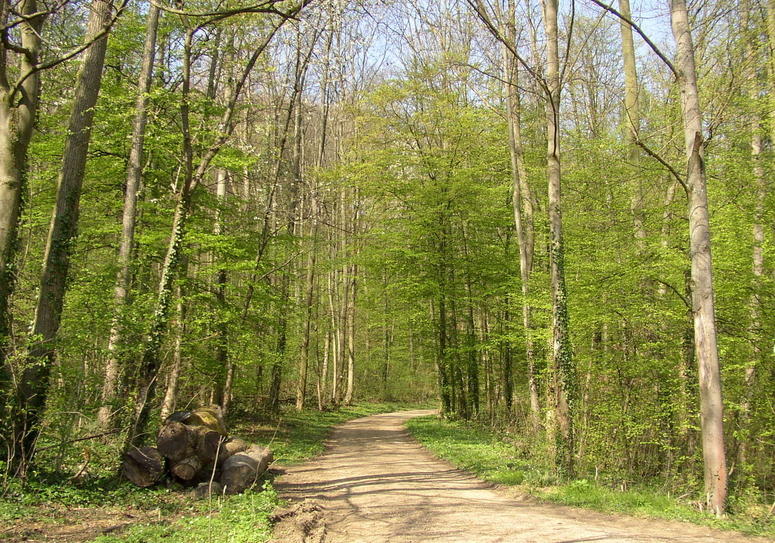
(500, 458)
(232, 519)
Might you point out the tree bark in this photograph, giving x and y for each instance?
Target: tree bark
(562, 356)
(632, 124)
(223, 362)
(757, 257)
(18, 112)
(33, 385)
(129, 218)
(523, 205)
(711, 406)
(171, 392)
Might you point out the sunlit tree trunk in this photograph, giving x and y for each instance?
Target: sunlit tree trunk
(523, 206)
(562, 356)
(760, 197)
(632, 124)
(309, 295)
(711, 406)
(225, 366)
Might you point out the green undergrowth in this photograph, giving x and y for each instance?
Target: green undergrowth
(493, 458)
(50, 495)
(234, 519)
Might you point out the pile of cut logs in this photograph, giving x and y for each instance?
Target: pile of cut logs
(193, 448)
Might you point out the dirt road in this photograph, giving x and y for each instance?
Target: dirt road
(375, 483)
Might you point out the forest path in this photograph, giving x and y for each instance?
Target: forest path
(375, 483)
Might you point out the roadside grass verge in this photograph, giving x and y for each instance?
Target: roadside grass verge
(493, 459)
(51, 500)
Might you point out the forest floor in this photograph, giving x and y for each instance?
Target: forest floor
(52, 506)
(376, 483)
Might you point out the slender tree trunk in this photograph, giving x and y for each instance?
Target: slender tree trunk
(711, 406)
(129, 219)
(301, 389)
(523, 206)
(170, 395)
(322, 398)
(302, 63)
(760, 183)
(348, 395)
(336, 333)
(33, 386)
(632, 125)
(562, 357)
(223, 361)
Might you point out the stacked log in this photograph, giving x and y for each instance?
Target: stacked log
(198, 450)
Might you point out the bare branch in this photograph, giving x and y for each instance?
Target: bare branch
(73, 53)
(640, 33)
(664, 163)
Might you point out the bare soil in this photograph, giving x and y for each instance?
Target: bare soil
(73, 524)
(375, 483)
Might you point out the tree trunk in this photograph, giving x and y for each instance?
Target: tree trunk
(523, 206)
(170, 395)
(33, 385)
(711, 406)
(223, 362)
(562, 356)
(18, 111)
(760, 183)
(301, 389)
(349, 391)
(632, 124)
(129, 217)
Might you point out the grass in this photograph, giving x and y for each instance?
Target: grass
(52, 498)
(489, 456)
(234, 519)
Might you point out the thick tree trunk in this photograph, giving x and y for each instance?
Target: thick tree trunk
(18, 111)
(562, 356)
(711, 406)
(129, 217)
(33, 385)
(242, 470)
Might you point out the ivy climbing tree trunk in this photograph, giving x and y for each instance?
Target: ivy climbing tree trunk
(563, 371)
(18, 111)
(33, 385)
(711, 406)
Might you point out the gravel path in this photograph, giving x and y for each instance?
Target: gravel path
(375, 483)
